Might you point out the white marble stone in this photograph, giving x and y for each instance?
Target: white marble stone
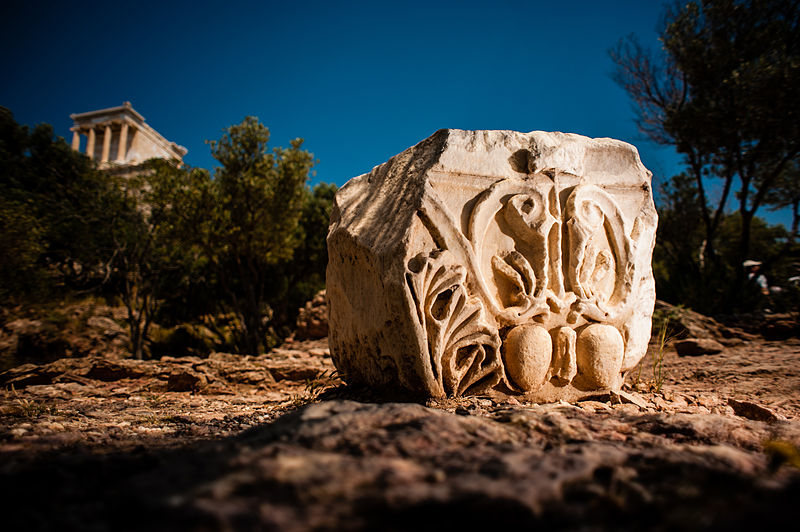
(126, 139)
(477, 261)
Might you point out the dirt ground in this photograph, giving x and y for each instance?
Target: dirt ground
(278, 442)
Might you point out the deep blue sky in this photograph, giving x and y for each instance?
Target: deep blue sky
(359, 81)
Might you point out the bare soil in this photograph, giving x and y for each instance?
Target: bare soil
(278, 442)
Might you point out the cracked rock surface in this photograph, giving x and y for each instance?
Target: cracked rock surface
(278, 443)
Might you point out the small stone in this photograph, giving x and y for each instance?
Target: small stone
(753, 411)
(706, 400)
(661, 403)
(679, 402)
(109, 371)
(626, 408)
(184, 380)
(593, 406)
(698, 346)
(630, 397)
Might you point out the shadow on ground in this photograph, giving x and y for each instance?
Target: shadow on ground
(347, 465)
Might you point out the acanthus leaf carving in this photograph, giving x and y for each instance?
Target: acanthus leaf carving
(462, 347)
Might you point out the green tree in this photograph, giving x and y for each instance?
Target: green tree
(57, 210)
(153, 251)
(677, 263)
(786, 194)
(676, 258)
(724, 93)
(21, 245)
(249, 218)
(297, 280)
(311, 257)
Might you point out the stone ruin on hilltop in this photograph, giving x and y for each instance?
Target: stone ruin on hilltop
(119, 139)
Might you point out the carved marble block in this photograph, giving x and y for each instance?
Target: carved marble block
(500, 261)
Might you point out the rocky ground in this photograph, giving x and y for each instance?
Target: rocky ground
(279, 442)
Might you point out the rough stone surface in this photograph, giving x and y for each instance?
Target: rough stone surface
(770, 326)
(248, 452)
(684, 323)
(74, 330)
(312, 320)
(219, 373)
(437, 256)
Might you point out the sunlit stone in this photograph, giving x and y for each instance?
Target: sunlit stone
(494, 262)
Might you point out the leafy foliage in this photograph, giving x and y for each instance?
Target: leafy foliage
(786, 194)
(250, 214)
(151, 254)
(21, 245)
(56, 209)
(678, 262)
(724, 93)
(231, 256)
(297, 280)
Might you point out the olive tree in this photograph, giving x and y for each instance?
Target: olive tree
(724, 90)
(247, 220)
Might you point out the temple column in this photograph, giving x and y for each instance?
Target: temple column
(90, 144)
(76, 141)
(123, 143)
(106, 144)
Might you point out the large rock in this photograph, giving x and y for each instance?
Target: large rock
(685, 323)
(471, 237)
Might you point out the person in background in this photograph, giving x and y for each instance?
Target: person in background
(754, 275)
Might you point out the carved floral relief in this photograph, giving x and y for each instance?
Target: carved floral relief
(556, 294)
(499, 261)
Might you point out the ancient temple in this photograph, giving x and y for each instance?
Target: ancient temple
(119, 139)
